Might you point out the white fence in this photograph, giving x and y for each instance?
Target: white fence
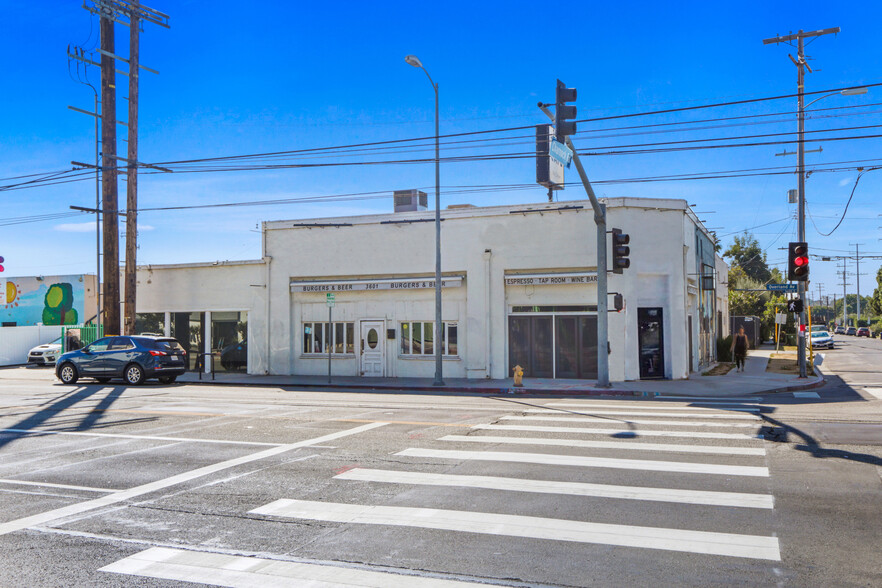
(15, 342)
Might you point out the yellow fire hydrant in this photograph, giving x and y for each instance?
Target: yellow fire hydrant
(518, 376)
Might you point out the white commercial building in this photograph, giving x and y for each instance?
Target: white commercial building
(518, 285)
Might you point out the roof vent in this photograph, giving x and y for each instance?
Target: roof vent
(410, 200)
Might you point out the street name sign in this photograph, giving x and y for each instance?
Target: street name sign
(560, 153)
(781, 287)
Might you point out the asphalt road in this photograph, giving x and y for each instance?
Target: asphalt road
(104, 485)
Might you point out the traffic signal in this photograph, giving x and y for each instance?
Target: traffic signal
(620, 251)
(563, 112)
(798, 262)
(795, 305)
(618, 302)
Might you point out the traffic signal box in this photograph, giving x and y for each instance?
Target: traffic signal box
(563, 112)
(620, 251)
(798, 262)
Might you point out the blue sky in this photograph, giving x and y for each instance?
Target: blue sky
(238, 79)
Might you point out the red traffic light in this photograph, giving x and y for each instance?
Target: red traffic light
(801, 261)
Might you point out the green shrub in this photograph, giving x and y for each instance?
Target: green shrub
(724, 349)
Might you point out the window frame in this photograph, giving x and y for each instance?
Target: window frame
(411, 330)
(348, 339)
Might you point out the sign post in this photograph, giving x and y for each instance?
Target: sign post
(330, 299)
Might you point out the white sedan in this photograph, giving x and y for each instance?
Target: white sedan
(822, 339)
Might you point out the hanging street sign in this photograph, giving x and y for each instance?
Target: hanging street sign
(781, 287)
(560, 153)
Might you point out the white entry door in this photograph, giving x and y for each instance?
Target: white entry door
(373, 356)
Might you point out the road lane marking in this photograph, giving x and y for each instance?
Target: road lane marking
(59, 486)
(615, 421)
(39, 432)
(219, 569)
(877, 392)
(644, 405)
(81, 507)
(624, 445)
(806, 395)
(617, 432)
(422, 423)
(645, 413)
(590, 462)
(747, 546)
(704, 497)
(714, 399)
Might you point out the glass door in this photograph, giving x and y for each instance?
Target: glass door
(651, 342)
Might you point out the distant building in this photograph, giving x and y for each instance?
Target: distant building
(519, 288)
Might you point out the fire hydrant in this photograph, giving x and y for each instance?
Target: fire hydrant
(518, 376)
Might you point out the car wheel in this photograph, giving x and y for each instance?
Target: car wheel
(102, 380)
(167, 379)
(134, 375)
(68, 374)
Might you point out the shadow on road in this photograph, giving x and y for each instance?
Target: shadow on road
(781, 431)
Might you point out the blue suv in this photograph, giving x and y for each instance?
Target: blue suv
(132, 358)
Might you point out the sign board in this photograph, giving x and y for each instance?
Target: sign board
(378, 284)
(560, 153)
(550, 279)
(549, 171)
(780, 318)
(2, 291)
(330, 298)
(781, 287)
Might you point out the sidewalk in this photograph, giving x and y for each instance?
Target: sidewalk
(753, 380)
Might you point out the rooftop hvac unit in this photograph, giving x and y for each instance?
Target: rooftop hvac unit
(409, 200)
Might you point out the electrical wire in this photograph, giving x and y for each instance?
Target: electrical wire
(842, 218)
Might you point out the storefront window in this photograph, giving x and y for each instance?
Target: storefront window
(229, 341)
(150, 323)
(188, 329)
(418, 338)
(341, 337)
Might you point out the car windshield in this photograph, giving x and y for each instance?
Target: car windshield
(56, 341)
(820, 334)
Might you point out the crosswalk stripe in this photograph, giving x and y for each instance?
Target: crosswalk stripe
(747, 546)
(612, 421)
(621, 432)
(877, 392)
(714, 399)
(643, 405)
(237, 571)
(590, 462)
(623, 445)
(704, 497)
(644, 413)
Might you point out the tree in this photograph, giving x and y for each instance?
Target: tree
(746, 253)
(876, 300)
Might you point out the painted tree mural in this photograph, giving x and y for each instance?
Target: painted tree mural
(59, 308)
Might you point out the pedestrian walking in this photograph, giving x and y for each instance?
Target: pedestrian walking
(740, 344)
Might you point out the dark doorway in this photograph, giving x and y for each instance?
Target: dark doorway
(572, 351)
(689, 330)
(651, 342)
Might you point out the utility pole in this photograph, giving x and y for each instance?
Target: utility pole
(857, 273)
(132, 176)
(109, 195)
(801, 64)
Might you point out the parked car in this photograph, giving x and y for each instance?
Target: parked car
(235, 357)
(45, 354)
(864, 332)
(821, 340)
(850, 331)
(840, 330)
(134, 359)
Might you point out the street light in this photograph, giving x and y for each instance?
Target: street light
(846, 92)
(439, 326)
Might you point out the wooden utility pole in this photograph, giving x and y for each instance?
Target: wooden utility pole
(132, 177)
(109, 193)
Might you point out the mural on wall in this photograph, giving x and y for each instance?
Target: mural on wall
(50, 300)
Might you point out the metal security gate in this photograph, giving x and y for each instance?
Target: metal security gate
(553, 346)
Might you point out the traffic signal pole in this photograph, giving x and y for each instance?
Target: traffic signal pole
(602, 285)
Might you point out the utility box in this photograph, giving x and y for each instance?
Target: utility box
(752, 328)
(410, 200)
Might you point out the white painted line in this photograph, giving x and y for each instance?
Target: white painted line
(590, 462)
(237, 571)
(618, 422)
(644, 413)
(877, 392)
(60, 486)
(806, 395)
(38, 432)
(624, 445)
(749, 546)
(643, 405)
(704, 497)
(625, 433)
(81, 507)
